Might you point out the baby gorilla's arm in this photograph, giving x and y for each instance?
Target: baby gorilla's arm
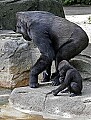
(66, 83)
(60, 88)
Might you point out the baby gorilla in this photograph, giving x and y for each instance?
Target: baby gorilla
(69, 77)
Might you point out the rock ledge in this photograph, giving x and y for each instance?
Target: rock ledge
(35, 101)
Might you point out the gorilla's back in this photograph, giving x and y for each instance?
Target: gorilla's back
(62, 32)
(59, 29)
(34, 15)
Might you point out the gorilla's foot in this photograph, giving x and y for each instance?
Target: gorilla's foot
(54, 92)
(34, 85)
(73, 94)
(33, 82)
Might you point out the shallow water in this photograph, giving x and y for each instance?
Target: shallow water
(9, 113)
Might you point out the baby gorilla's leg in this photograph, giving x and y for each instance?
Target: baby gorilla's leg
(74, 89)
(65, 90)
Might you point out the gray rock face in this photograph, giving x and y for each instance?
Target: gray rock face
(15, 60)
(62, 106)
(8, 9)
(82, 63)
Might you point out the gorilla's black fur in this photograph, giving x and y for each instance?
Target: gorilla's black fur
(56, 38)
(68, 77)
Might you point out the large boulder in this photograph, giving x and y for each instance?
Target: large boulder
(15, 59)
(8, 9)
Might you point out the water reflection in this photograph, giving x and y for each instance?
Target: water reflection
(9, 113)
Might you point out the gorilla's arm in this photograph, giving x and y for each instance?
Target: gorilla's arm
(40, 35)
(66, 83)
(41, 38)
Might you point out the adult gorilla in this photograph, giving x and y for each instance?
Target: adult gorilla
(57, 39)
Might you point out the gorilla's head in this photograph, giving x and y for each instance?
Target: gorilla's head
(64, 66)
(26, 19)
(21, 25)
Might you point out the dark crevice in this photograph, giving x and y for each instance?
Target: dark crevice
(46, 98)
(84, 56)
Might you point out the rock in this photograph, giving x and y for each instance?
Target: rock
(8, 9)
(82, 63)
(35, 101)
(4, 96)
(15, 60)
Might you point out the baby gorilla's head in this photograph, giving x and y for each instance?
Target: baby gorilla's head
(64, 66)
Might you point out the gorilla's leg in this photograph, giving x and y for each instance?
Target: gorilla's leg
(66, 52)
(39, 66)
(42, 40)
(47, 74)
(75, 89)
(77, 42)
(65, 90)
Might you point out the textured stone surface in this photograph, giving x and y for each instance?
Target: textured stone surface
(15, 60)
(82, 63)
(62, 106)
(8, 9)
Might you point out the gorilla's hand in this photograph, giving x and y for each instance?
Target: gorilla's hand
(54, 92)
(55, 79)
